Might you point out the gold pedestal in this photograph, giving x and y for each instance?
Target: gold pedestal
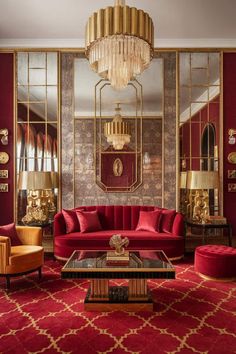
(99, 290)
(135, 297)
(138, 289)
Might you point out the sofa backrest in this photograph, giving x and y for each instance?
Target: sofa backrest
(118, 217)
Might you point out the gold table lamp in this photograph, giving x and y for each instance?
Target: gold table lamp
(201, 182)
(39, 195)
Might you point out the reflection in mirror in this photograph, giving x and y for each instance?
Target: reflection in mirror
(141, 104)
(37, 133)
(199, 122)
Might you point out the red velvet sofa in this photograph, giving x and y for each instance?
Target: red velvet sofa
(120, 220)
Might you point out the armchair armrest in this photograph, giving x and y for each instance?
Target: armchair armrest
(5, 251)
(30, 235)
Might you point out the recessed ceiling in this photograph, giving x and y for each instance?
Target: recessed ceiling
(61, 23)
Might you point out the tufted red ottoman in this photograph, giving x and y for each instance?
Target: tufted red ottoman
(215, 262)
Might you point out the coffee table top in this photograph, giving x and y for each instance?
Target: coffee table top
(142, 264)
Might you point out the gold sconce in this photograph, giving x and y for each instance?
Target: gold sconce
(232, 139)
(40, 197)
(4, 138)
(201, 182)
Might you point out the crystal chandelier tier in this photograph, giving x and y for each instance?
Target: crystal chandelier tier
(119, 43)
(117, 132)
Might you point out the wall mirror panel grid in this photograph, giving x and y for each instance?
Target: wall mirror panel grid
(199, 133)
(36, 137)
(101, 161)
(104, 160)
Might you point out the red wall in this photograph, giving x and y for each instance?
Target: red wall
(229, 90)
(7, 121)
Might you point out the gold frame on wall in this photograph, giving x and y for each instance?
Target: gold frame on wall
(98, 146)
(3, 174)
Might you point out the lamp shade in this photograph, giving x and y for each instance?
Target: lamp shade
(55, 179)
(34, 180)
(202, 180)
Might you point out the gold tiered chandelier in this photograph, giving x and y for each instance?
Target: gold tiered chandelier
(119, 43)
(117, 132)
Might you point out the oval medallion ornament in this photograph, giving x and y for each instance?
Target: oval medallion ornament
(232, 157)
(117, 167)
(4, 158)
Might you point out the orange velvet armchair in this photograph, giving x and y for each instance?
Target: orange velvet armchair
(23, 259)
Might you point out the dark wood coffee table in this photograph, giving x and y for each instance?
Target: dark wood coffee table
(142, 265)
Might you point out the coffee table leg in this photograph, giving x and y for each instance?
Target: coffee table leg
(99, 289)
(138, 289)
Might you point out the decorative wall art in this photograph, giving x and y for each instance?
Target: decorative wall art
(232, 157)
(3, 173)
(4, 158)
(231, 174)
(232, 139)
(118, 143)
(3, 187)
(231, 187)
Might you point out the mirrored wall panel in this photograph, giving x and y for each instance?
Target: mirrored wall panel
(37, 136)
(199, 124)
(118, 139)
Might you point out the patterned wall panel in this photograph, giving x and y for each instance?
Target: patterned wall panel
(169, 130)
(78, 182)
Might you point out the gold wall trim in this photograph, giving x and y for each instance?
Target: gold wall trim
(81, 50)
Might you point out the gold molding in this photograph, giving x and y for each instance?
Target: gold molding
(81, 50)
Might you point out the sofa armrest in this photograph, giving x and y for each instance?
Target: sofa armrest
(59, 225)
(5, 251)
(30, 235)
(178, 228)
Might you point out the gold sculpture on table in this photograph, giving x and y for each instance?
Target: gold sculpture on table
(119, 256)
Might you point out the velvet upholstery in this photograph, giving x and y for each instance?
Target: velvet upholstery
(71, 221)
(216, 261)
(122, 220)
(167, 219)
(10, 231)
(88, 221)
(23, 258)
(149, 220)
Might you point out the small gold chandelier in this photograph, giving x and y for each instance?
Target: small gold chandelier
(119, 43)
(117, 132)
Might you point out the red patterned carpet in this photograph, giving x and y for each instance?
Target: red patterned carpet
(192, 316)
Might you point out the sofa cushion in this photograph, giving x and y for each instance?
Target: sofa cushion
(167, 220)
(149, 220)
(10, 231)
(71, 220)
(88, 221)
